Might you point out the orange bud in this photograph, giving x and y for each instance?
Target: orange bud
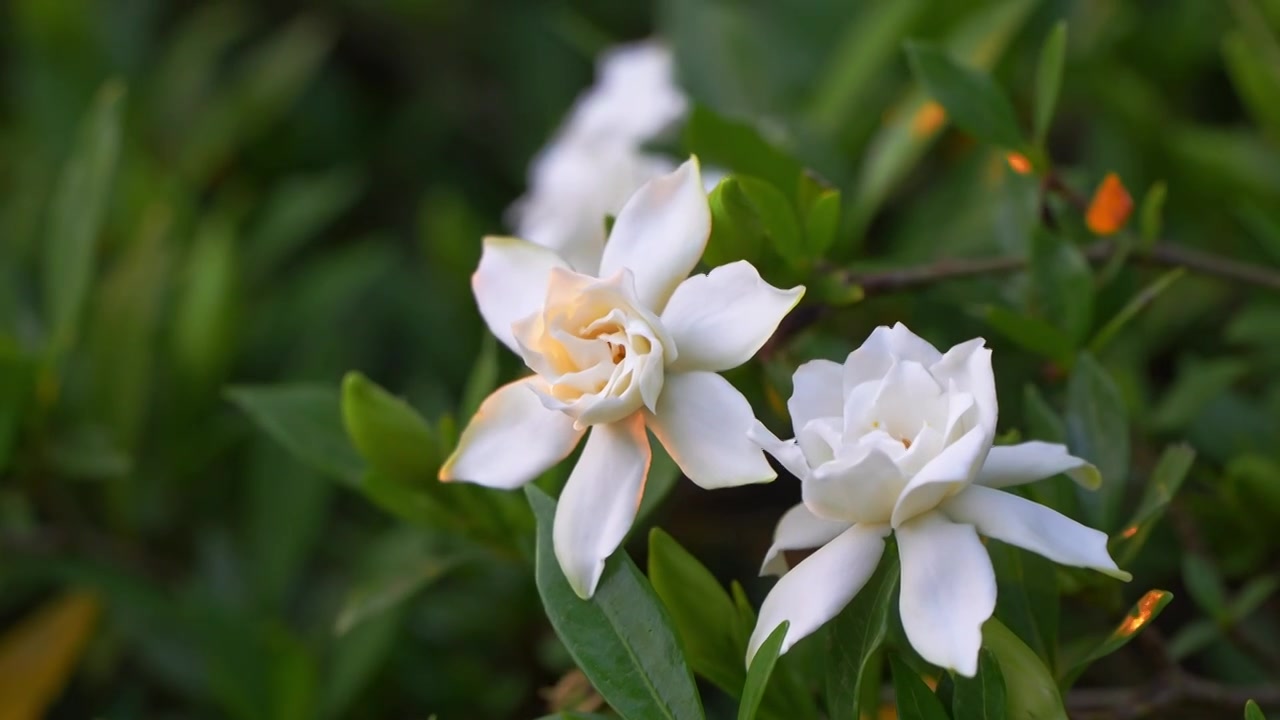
(928, 119)
(1110, 207)
(1018, 163)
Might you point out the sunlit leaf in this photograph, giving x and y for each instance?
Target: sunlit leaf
(40, 652)
(1143, 613)
(1253, 712)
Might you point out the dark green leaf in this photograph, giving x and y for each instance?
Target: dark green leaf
(399, 564)
(736, 232)
(1030, 690)
(702, 613)
(307, 421)
(971, 98)
(821, 222)
(1198, 383)
(1027, 600)
(1143, 613)
(1029, 333)
(1098, 431)
(1049, 80)
(981, 697)
(207, 306)
(620, 638)
(1131, 309)
(761, 668)
(1042, 422)
(1256, 81)
(1255, 592)
(387, 432)
(662, 478)
(295, 212)
(915, 699)
(76, 214)
(17, 378)
(1063, 284)
(739, 148)
(1253, 712)
(1172, 468)
(1194, 637)
(854, 639)
(1205, 585)
(777, 219)
(482, 379)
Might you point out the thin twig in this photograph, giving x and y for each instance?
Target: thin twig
(1170, 692)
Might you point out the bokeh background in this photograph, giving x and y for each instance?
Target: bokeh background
(301, 191)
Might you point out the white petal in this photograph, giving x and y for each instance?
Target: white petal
(948, 591)
(703, 421)
(862, 487)
(943, 476)
(599, 502)
(881, 349)
(786, 452)
(798, 529)
(815, 392)
(719, 320)
(1008, 465)
(512, 439)
(1044, 531)
(967, 368)
(511, 283)
(660, 234)
(820, 586)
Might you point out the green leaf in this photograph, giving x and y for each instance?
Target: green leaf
(915, 699)
(295, 212)
(482, 379)
(76, 214)
(981, 697)
(387, 432)
(702, 613)
(1049, 80)
(1194, 637)
(736, 232)
(854, 639)
(17, 380)
(1131, 309)
(1151, 214)
(740, 148)
(207, 306)
(1098, 431)
(1143, 613)
(1252, 711)
(819, 206)
(1030, 691)
(761, 668)
(1205, 585)
(417, 505)
(621, 638)
(306, 421)
(1042, 422)
(1063, 284)
(1251, 597)
(1027, 597)
(1031, 334)
(401, 562)
(662, 478)
(1198, 383)
(971, 98)
(1167, 477)
(1256, 80)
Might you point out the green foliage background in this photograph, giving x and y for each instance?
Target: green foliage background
(297, 190)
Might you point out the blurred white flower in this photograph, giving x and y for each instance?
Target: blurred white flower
(899, 440)
(620, 342)
(597, 159)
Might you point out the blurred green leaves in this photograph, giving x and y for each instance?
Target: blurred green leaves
(971, 99)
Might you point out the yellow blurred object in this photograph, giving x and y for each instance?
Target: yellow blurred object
(1019, 163)
(928, 119)
(1110, 208)
(38, 655)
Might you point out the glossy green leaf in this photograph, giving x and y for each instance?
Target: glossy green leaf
(1253, 712)
(77, 212)
(1098, 431)
(1027, 597)
(758, 675)
(1131, 309)
(819, 206)
(1030, 333)
(702, 613)
(306, 420)
(983, 696)
(915, 699)
(1166, 479)
(752, 213)
(1049, 80)
(387, 432)
(1062, 283)
(1030, 691)
(738, 147)
(736, 231)
(1151, 214)
(971, 98)
(621, 638)
(854, 638)
(1143, 613)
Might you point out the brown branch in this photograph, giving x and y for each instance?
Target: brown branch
(1172, 691)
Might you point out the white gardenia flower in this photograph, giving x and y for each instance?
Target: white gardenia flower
(899, 440)
(597, 160)
(619, 342)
